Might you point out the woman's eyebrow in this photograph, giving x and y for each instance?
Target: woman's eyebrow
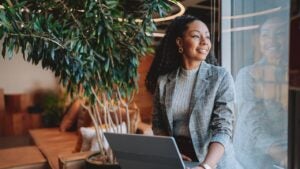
(195, 31)
(200, 32)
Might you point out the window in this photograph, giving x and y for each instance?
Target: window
(255, 49)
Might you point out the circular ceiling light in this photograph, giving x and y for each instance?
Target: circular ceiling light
(167, 18)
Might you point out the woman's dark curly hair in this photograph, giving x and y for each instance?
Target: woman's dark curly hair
(167, 58)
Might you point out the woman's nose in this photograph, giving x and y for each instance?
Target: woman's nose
(203, 41)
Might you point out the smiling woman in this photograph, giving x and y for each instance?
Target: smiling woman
(193, 100)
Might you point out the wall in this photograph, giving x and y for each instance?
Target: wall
(18, 76)
(18, 80)
(143, 98)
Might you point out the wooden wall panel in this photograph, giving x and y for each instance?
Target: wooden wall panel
(7, 125)
(2, 108)
(26, 101)
(19, 124)
(15, 120)
(35, 121)
(12, 103)
(2, 105)
(143, 98)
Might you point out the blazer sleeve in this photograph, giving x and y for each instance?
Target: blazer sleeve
(223, 111)
(158, 126)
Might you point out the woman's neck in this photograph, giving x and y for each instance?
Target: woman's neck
(189, 65)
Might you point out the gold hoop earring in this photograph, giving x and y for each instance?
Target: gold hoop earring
(180, 50)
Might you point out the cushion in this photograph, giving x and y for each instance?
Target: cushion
(89, 138)
(87, 134)
(71, 115)
(84, 120)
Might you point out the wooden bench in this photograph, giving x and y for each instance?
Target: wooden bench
(28, 157)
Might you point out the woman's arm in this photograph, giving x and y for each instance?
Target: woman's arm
(214, 154)
(222, 121)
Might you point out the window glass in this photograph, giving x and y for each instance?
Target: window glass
(255, 48)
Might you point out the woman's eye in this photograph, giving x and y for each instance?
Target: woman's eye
(196, 36)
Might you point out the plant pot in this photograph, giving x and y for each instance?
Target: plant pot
(91, 164)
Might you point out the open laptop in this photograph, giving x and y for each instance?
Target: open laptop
(146, 152)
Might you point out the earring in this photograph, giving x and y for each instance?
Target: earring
(180, 50)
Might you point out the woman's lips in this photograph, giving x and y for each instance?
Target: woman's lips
(202, 50)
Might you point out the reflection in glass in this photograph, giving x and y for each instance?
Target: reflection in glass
(259, 59)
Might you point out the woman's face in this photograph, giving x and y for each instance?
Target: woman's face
(273, 40)
(195, 41)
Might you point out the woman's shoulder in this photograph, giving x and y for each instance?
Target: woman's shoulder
(217, 71)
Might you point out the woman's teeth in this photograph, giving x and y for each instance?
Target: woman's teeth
(202, 50)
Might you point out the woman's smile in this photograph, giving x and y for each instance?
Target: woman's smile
(202, 50)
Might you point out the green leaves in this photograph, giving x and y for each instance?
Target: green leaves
(88, 44)
(111, 4)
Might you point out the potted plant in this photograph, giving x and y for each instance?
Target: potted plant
(52, 105)
(92, 46)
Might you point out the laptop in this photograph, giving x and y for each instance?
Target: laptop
(146, 152)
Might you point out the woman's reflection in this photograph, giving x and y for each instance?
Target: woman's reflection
(262, 95)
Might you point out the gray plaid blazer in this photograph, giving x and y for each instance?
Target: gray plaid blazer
(211, 111)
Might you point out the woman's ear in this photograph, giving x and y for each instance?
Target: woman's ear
(179, 41)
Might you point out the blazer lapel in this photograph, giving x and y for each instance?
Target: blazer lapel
(170, 87)
(200, 87)
(201, 84)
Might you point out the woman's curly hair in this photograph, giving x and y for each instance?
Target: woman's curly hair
(167, 58)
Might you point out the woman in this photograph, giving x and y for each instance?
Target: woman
(193, 100)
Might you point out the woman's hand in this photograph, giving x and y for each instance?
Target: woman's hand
(185, 158)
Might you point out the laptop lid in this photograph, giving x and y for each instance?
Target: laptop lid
(145, 152)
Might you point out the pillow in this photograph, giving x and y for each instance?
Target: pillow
(87, 134)
(89, 139)
(70, 116)
(84, 119)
